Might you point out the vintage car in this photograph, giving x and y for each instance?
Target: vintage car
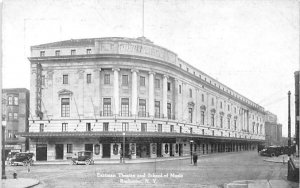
(271, 151)
(22, 159)
(83, 157)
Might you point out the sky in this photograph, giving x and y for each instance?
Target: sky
(250, 46)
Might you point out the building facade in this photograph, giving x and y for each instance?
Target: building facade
(15, 113)
(92, 94)
(273, 130)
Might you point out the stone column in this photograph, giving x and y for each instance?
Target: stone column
(134, 92)
(151, 94)
(176, 103)
(165, 96)
(116, 90)
(97, 97)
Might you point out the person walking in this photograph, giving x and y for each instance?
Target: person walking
(195, 158)
(121, 155)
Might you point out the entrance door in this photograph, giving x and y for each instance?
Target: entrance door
(59, 151)
(158, 149)
(41, 152)
(88, 147)
(126, 149)
(171, 150)
(180, 149)
(106, 151)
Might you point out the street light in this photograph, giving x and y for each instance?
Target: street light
(123, 147)
(191, 144)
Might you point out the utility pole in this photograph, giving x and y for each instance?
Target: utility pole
(289, 122)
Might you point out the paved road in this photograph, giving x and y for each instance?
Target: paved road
(211, 170)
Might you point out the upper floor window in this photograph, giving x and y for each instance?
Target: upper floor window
(157, 83)
(57, 53)
(159, 127)
(202, 97)
(10, 116)
(157, 109)
(191, 115)
(142, 107)
(191, 130)
(43, 80)
(10, 100)
(88, 51)
(221, 121)
(212, 119)
(203, 131)
(16, 101)
(180, 65)
(171, 128)
(64, 127)
(143, 127)
(125, 126)
(202, 117)
(124, 80)
(15, 116)
(107, 79)
(187, 69)
(65, 79)
(125, 107)
(88, 126)
(191, 93)
(228, 122)
(69, 148)
(73, 52)
(228, 107)
(107, 107)
(142, 81)
(212, 101)
(65, 107)
(42, 127)
(179, 88)
(105, 126)
(169, 86)
(89, 78)
(221, 104)
(42, 53)
(169, 110)
(234, 124)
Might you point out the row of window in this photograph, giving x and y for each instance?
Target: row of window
(96, 149)
(13, 100)
(73, 52)
(12, 116)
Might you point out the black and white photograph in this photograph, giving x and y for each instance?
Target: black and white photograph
(150, 93)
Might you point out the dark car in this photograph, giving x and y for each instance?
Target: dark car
(83, 157)
(22, 159)
(272, 151)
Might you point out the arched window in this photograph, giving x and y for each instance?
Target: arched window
(166, 148)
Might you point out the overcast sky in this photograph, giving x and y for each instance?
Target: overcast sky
(250, 46)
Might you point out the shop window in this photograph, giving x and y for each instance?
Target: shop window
(97, 149)
(69, 148)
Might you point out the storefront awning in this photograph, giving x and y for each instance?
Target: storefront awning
(93, 134)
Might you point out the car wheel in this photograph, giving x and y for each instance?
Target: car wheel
(272, 154)
(25, 163)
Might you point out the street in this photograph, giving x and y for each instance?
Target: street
(214, 169)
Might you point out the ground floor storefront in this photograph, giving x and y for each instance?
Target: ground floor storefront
(62, 146)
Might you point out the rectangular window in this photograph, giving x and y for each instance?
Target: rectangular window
(191, 93)
(125, 126)
(42, 53)
(191, 115)
(212, 101)
(107, 107)
(57, 53)
(142, 107)
(171, 128)
(228, 122)
(64, 127)
(15, 116)
(228, 107)
(169, 86)
(180, 129)
(65, 79)
(179, 88)
(69, 148)
(10, 116)
(191, 130)
(157, 83)
(107, 79)
(89, 78)
(221, 105)
(213, 132)
(159, 127)
(73, 52)
(203, 131)
(16, 101)
(105, 126)
(43, 80)
(10, 100)
(42, 127)
(221, 121)
(88, 126)
(169, 110)
(202, 117)
(212, 120)
(143, 127)
(125, 80)
(142, 81)
(88, 51)
(65, 107)
(235, 124)
(202, 97)
(125, 107)
(157, 109)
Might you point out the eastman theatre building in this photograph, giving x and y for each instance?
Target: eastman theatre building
(90, 94)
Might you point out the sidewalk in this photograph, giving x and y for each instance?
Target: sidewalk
(282, 159)
(19, 182)
(261, 184)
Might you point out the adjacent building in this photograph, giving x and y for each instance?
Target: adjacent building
(92, 94)
(15, 113)
(273, 130)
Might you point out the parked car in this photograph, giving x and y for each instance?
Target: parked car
(22, 159)
(83, 157)
(272, 151)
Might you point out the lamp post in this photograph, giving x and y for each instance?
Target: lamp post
(123, 157)
(289, 122)
(191, 144)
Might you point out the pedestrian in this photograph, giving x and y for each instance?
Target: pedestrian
(121, 155)
(195, 158)
(129, 153)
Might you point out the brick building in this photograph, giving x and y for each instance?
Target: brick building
(273, 130)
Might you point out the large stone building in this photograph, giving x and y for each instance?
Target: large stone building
(89, 94)
(273, 130)
(15, 113)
